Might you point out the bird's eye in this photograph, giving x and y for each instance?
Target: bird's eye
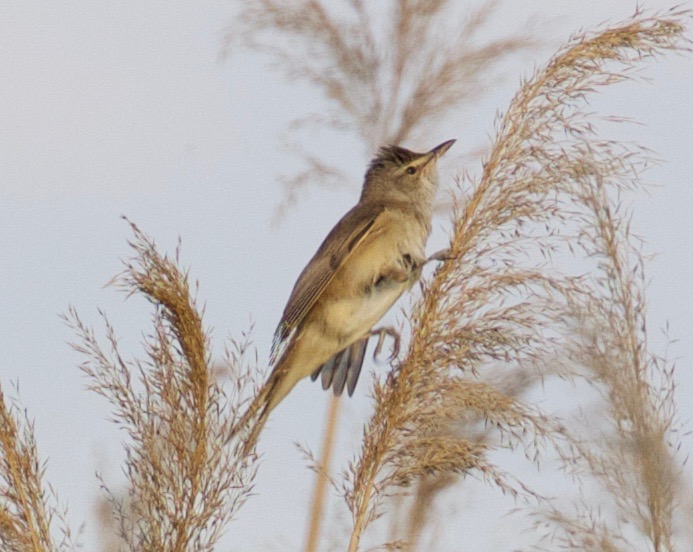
(411, 170)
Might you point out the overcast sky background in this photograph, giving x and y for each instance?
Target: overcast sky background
(126, 108)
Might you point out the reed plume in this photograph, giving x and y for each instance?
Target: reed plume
(187, 473)
(390, 72)
(498, 302)
(28, 508)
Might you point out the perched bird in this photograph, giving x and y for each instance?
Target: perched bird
(374, 254)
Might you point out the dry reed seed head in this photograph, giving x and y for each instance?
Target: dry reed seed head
(389, 73)
(637, 466)
(28, 507)
(433, 455)
(187, 474)
(460, 420)
(545, 167)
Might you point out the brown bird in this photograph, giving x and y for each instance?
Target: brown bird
(370, 258)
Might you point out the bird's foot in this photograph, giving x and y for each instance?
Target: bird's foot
(442, 255)
(382, 333)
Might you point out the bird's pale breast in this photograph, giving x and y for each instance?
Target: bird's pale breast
(362, 291)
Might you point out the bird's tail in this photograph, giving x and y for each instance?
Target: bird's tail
(277, 386)
(248, 428)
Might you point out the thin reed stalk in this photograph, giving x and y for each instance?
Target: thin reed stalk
(318, 502)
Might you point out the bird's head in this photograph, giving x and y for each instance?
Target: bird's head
(398, 174)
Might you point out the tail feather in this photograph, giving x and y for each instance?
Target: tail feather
(340, 371)
(253, 420)
(358, 350)
(343, 369)
(249, 427)
(328, 369)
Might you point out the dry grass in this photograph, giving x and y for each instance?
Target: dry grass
(417, 513)
(186, 474)
(547, 187)
(633, 453)
(390, 72)
(27, 506)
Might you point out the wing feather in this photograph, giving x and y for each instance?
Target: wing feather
(344, 238)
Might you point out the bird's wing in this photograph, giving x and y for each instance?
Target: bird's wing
(350, 232)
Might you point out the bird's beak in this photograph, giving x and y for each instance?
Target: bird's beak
(438, 151)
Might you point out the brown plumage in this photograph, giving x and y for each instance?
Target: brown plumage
(373, 255)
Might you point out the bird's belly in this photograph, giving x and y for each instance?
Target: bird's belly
(353, 317)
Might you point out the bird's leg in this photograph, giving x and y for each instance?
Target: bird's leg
(442, 255)
(382, 333)
(399, 274)
(406, 270)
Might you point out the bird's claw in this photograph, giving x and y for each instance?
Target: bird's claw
(382, 333)
(442, 255)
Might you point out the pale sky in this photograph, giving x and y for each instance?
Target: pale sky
(126, 108)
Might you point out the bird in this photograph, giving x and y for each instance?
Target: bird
(373, 255)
